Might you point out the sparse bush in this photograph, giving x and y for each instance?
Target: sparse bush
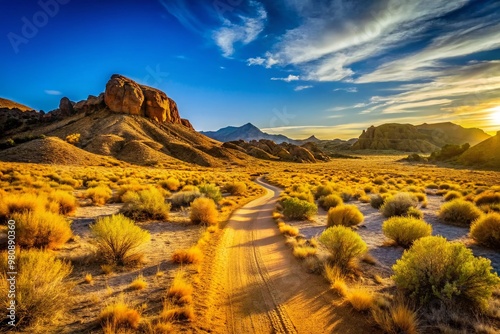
(41, 229)
(67, 202)
(323, 190)
(172, 312)
(435, 268)
(330, 201)
(302, 252)
(236, 188)
(99, 195)
(486, 230)
(146, 204)
(180, 291)
(376, 201)
(288, 230)
(398, 205)
(184, 198)
(171, 184)
(294, 208)
(42, 292)
(405, 230)
(336, 278)
(459, 212)
(346, 215)
(398, 318)
(415, 213)
(487, 198)
(119, 315)
(119, 239)
(211, 191)
(186, 256)
(451, 195)
(360, 298)
(343, 244)
(139, 283)
(73, 138)
(15, 203)
(204, 211)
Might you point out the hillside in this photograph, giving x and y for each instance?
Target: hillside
(8, 104)
(423, 138)
(484, 154)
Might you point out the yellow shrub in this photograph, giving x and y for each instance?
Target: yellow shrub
(41, 229)
(119, 239)
(360, 298)
(236, 188)
(146, 204)
(288, 230)
(180, 291)
(42, 292)
(405, 230)
(67, 202)
(99, 195)
(203, 210)
(172, 312)
(345, 215)
(459, 212)
(191, 255)
(486, 230)
(119, 315)
(171, 184)
(139, 283)
(303, 252)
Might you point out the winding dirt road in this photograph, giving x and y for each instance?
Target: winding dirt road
(257, 286)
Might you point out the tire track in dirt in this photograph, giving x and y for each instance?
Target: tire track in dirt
(254, 284)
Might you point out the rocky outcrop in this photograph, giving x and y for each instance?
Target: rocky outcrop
(66, 106)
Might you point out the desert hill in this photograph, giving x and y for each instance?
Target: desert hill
(8, 104)
(422, 138)
(484, 154)
(247, 132)
(129, 122)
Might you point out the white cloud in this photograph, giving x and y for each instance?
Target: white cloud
(289, 78)
(348, 90)
(256, 61)
(244, 32)
(299, 88)
(52, 92)
(415, 106)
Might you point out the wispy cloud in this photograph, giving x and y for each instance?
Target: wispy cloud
(299, 88)
(52, 92)
(348, 89)
(289, 78)
(242, 32)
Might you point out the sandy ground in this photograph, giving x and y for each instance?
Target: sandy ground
(157, 268)
(371, 232)
(255, 285)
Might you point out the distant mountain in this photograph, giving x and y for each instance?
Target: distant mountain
(484, 154)
(423, 138)
(247, 132)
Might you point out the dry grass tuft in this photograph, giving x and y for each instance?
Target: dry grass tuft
(191, 255)
(360, 298)
(304, 252)
(139, 283)
(180, 292)
(119, 315)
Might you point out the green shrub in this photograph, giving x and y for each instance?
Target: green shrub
(42, 293)
(203, 210)
(145, 204)
(405, 230)
(345, 215)
(184, 198)
(343, 244)
(398, 205)
(376, 201)
(459, 212)
(41, 229)
(330, 201)
(294, 208)
(434, 268)
(451, 195)
(486, 230)
(119, 239)
(211, 191)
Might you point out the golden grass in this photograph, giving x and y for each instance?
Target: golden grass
(288, 230)
(138, 283)
(336, 278)
(360, 298)
(397, 318)
(41, 229)
(99, 195)
(88, 279)
(304, 252)
(204, 211)
(119, 315)
(190, 255)
(180, 291)
(107, 269)
(177, 313)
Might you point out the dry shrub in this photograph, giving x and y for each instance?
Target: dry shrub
(119, 239)
(405, 230)
(211, 191)
(67, 202)
(171, 184)
(17, 203)
(180, 291)
(415, 213)
(172, 312)
(434, 268)
(294, 208)
(184, 198)
(376, 201)
(119, 315)
(459, 212)
(345, 215)
(323, 190)
(304, 252)
(146, 204)
(486, 230)
(288, 230)
(99, 195)
(360, 298)
(397, 318)
(191, 255)
(204, 211)
(451, 195)
(344, 245)
(236, 188)
(41, 229)
(42, 292)
(398, 205)
(336, 277)
(330, 201)
(487, 198)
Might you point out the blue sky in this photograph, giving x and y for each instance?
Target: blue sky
(297, 67)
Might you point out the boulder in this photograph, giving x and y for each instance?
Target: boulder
(66, 106)
(156, 104)
(186, 123)
(124, 95)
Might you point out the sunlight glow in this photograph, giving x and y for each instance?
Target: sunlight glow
(495, 116)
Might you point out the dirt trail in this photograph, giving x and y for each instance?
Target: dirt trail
(257, 286)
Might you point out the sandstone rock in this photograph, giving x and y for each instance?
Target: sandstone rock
(186, 123)
(174, 112)
(156, 104)
(123, 95)
(66, 106)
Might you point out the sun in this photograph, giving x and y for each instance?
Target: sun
(495, 116)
